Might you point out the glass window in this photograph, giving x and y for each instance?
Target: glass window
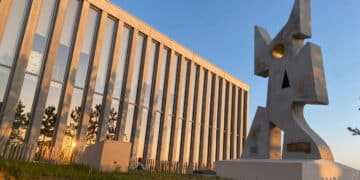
(218, 119)
(172, 86)
(87, 48)
(204, 119)
(197, 120)
(41, 37)
(37, 53)
(13, 31)
(121, 62)
(211, 119)
(113, 116)
(93, 125)
(232, 121)
(85, 59)
(103, 66)
(66, 40)
(134, 84)
(149, 80)
(165, 56)
(226, 115)
(144, 116)
(54, 94)
(239, 122)
(146, 98)
(11, 40)
(195, 124)
(124, 51)
(207, 124)
(186, 123)
(169, 118)
(4, 76)
(63, 56)
(136, 69)
(245, 116)
(155, 139)
(105, 56)
(181, 110)
(182, 99)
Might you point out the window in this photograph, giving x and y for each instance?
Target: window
(138, 61)
(165, 54)
(83, 66)
(146, 99)
(103, 69)
(115, 102)
(38, 53)
(11, 40)
(63, 54)
(169, 117)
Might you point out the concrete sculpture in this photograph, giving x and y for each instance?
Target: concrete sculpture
(296, 77)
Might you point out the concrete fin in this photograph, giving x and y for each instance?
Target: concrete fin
(300, 19)
(262, 41)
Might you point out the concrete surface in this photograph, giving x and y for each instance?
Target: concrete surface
(252, 169)
(107, 156)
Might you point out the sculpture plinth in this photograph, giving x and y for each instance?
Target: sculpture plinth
(296, 77)
(260, 169)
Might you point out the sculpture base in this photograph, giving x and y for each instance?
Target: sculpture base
(107, 156)
(251, 169)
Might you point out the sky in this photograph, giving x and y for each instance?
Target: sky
(222, 31)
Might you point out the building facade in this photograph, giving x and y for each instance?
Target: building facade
(89, 70)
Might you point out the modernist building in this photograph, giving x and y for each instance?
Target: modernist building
(88, 61)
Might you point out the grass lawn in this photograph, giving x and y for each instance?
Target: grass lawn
(24, 170)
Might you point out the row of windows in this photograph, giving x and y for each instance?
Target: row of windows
(148, 102)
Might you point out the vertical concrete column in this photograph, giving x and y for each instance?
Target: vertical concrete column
(205, 124)
(70, 76)
(110, 83)
(173, 150)
(220, 135)
(240, 121)
(17, 75)
(136, 127)
(46, 75)
(235, 122)
(214, 125)
(5, 6)
(90, 84)
(246, 113)
(128, 81)
(150, 127)
(228, 130)
(164, 120)
(186, 131)
(197, 120)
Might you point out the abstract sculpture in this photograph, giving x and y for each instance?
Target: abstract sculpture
(296, 77)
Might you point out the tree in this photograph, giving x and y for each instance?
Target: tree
(20, 124)
(110, 134)
(71, 128)
(93, 125)
(47, 126)
(355, 131)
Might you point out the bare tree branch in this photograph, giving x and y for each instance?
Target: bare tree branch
(355, 131)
